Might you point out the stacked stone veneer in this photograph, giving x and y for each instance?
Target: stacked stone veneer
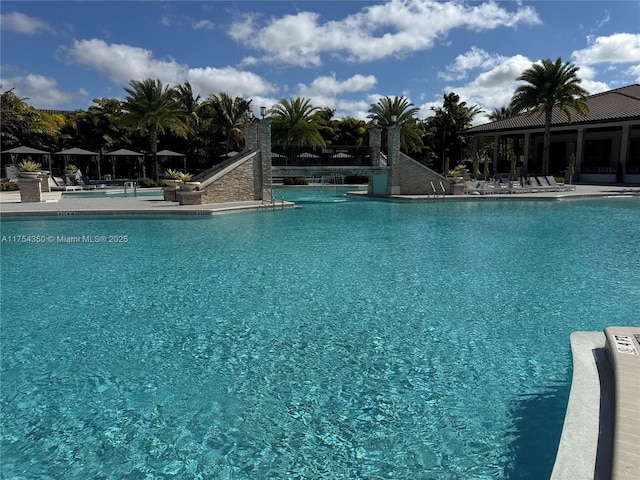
(247, 180)
(30, 190)
(415, 178)
(236, 185)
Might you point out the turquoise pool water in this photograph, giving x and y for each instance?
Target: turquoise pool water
(340, 340)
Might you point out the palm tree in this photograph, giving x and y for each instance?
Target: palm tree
(294, 123)
(550, 84)
(502, 113)
(190, 104)
(153, 109)
(404, 112)
(228, 115)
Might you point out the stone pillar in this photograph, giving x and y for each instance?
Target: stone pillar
(251, 135)
(393, 159)
(30, 190)
(375, 143)
(264, 140)
(579, 152)
(44, 186)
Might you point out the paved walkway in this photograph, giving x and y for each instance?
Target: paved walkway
(57, 203)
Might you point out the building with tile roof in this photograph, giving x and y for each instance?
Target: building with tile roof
(605, 141)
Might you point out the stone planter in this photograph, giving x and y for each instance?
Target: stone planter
(455, 180)
(44, 185)
(190, 186)
(30, 175)
(170, 190)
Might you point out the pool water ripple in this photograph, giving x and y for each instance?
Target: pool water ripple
(355, 339)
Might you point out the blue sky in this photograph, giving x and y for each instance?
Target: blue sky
(340, 54)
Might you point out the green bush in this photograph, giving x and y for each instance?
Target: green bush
(147, 183)
(9, 186)
(295, 181)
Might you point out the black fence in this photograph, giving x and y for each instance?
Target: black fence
(318, 156)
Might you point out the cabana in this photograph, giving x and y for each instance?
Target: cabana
(164, 154)
(123, 152)
(17, 153)
(79, 152)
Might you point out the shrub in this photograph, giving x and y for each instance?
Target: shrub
(9, 186)
(295, 181)
(29, 166)
(147, 183)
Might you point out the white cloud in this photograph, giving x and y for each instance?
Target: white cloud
(203, 25)
(470, 60)
(123, 63)
(393, 28)
(616, 48)
(21, 23)
(40, 91)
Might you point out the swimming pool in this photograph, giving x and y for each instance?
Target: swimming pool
(351, 339)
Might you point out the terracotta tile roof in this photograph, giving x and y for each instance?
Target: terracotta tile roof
(614, 105)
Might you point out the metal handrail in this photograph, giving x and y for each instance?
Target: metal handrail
(273, 198)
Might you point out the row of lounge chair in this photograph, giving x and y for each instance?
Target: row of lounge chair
(535, 184)
(72, 183)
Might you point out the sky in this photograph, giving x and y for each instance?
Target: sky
(344, 55)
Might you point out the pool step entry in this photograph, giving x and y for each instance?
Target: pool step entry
(623, 350)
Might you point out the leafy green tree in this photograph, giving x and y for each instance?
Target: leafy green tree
(294, 123)
(404, 111)
(153, 108)
(227, 116)
(350, 131)
(23, 124)
(550, 84)
(326, 124)
(444, 125)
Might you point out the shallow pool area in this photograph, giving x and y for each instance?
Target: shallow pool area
(343, 339)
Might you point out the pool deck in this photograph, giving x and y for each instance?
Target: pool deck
(57, 203)
(601, 434)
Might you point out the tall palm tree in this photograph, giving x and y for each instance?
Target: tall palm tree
(404, 111)
(190, 104)
(550, 84)
(227, 116)
(153, 109)
(294, 122)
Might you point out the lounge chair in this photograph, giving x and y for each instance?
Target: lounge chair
(487, 188)
(85, 183)
(471, 188)
(563, 187)
(545, 185)
(58, 185)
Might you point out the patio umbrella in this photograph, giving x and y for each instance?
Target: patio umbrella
(476, 166)
(572, 167)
